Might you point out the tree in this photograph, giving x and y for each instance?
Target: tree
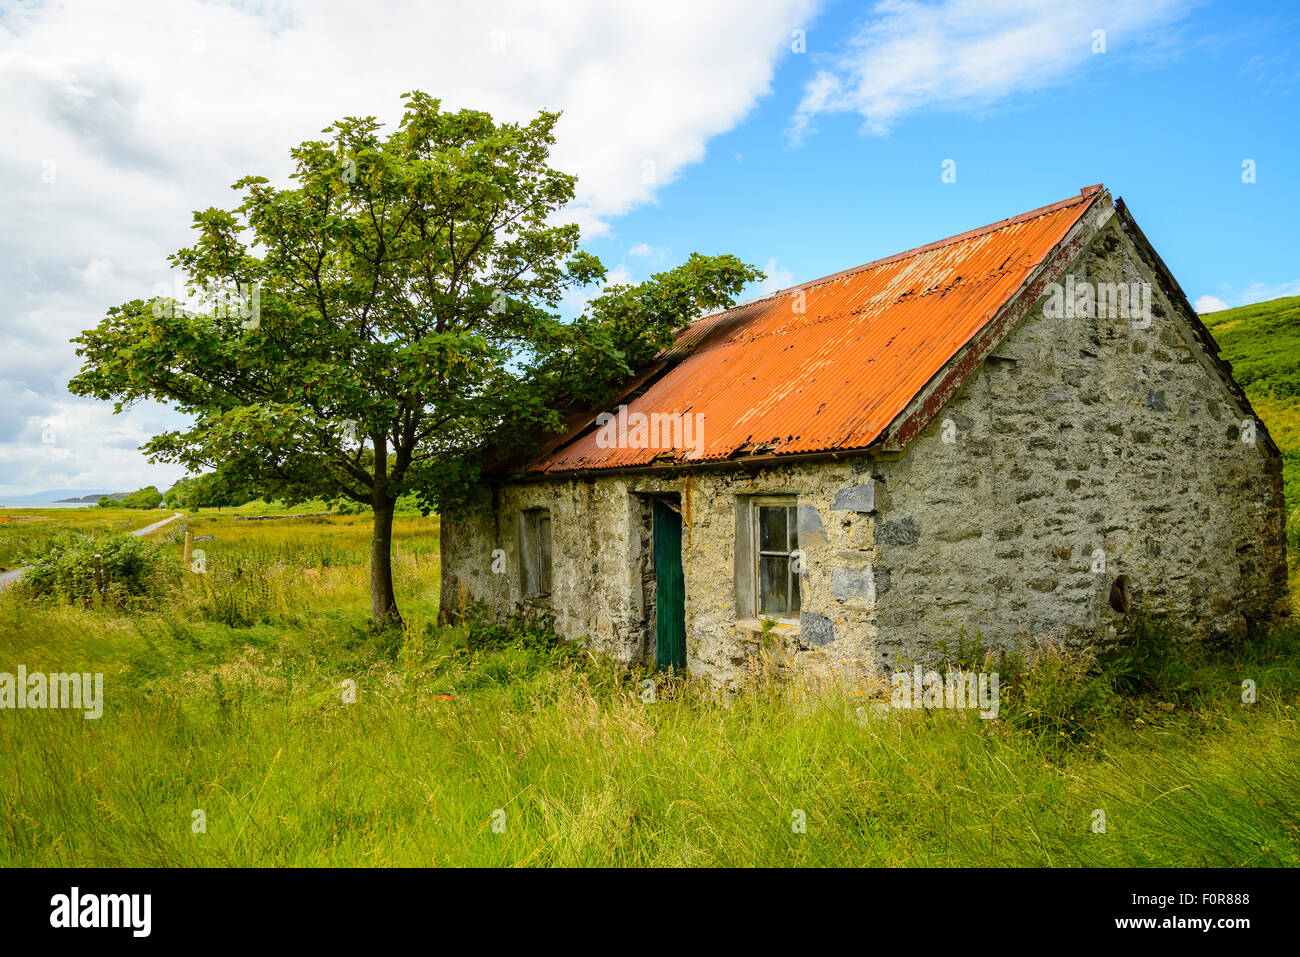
(147, 497)
(373, 329)
(210, 490)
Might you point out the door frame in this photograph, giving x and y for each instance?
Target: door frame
(670, 648)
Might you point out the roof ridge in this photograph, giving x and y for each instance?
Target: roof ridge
(1085, 193)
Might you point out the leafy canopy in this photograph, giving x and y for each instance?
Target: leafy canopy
(368, 330)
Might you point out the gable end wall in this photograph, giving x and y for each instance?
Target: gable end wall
(1081, 438)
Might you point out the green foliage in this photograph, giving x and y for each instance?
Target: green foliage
(1060, 699)
(1262, 342)
(112, 569)
(405, 291)
(1152, 658)
(527, 628)
(215, 489)
(147, 497)
(25, 531)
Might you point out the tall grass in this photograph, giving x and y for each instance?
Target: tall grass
(504, 747)
(249, 725)
(27, 530)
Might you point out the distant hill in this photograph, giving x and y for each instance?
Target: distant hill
(61, 495)
(1262, 342)
(95, 497)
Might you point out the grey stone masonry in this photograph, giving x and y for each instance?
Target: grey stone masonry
(1082, 449)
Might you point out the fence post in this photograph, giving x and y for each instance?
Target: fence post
(189, 547)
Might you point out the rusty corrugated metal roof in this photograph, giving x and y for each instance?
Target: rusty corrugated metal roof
(768, 378)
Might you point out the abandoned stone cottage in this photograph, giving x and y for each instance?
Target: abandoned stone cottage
(1016, 432)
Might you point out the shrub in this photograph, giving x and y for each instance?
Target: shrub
(1152, 659)
(147, 497)
(64, 570)
(531, 629)
(1061, 698)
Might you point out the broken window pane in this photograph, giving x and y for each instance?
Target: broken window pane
(772, 529)
(544, 550)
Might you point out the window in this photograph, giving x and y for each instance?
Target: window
(535, 551)
(775, 539)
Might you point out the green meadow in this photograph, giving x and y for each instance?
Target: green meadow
(253, 717)
(27, 530)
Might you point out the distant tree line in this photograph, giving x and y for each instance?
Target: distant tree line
(210, 490)
(147, 497)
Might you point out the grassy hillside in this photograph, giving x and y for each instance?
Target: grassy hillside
(1262, 341)
(1263, 344)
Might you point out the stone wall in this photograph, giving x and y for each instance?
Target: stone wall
(1083, 449)
(602, 581)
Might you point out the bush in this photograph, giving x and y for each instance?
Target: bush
(530, 629)
(1153, 659)
(147, 497)
(1061, 699)
(64, 570)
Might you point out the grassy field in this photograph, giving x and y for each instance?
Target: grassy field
(24, 529)
(228, 698)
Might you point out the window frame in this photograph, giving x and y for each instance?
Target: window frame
(756, 554)
(531, 521)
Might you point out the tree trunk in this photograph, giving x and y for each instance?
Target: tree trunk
(383, 603)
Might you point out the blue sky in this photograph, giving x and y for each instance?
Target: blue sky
(1165, 120)
(803, 136)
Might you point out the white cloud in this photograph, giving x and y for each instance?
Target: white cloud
(778, 278)
(1255, 292)
(646, 251)
(620, 275)
(1262, 292)
(122, 117)
(960, 54)
(73, 444)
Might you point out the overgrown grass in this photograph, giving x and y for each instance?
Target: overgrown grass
(275, 569)
(24, 530)
(244, 718)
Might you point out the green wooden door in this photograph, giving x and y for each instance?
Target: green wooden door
(670, 590)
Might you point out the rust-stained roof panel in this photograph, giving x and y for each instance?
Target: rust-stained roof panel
(768, 377)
